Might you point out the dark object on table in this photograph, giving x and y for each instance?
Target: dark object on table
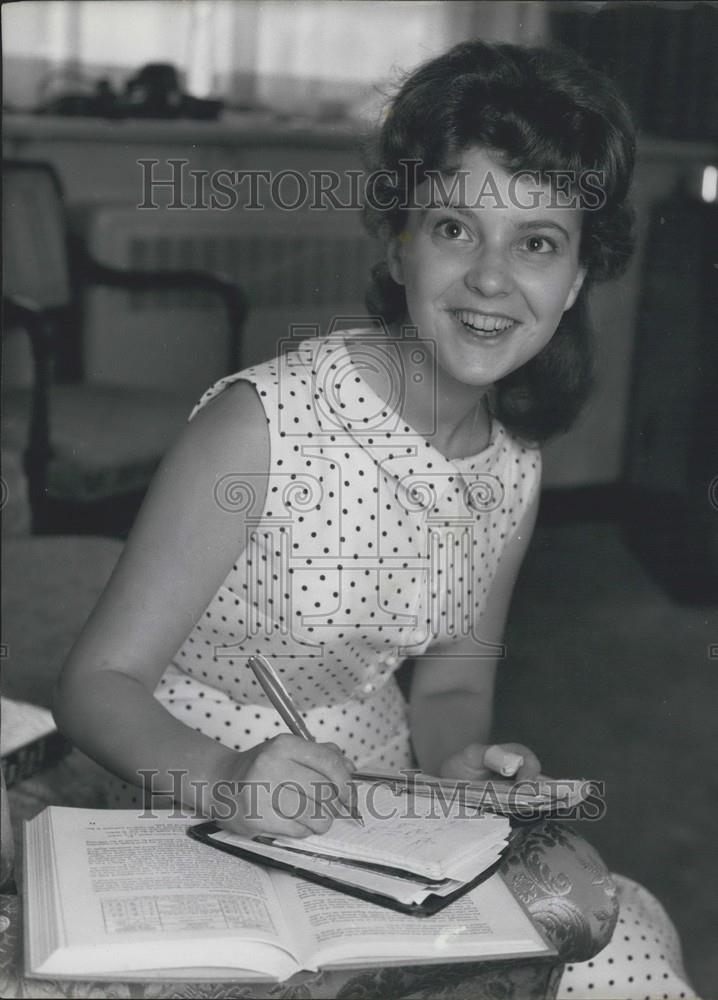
(98, 105)
(155, 92)
(76, 94)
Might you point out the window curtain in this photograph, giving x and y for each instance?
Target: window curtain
(295, 55)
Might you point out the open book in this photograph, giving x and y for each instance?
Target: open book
(414, 854)
(110, 893)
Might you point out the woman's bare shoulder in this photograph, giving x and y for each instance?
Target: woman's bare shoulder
(233, 420)
(192, 526)
(213, 477)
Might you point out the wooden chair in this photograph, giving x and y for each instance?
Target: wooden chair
(88, 445)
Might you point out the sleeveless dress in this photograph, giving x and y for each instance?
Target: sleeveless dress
(369, 547)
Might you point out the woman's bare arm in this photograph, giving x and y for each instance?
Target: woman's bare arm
(181, 549)
(452, 691)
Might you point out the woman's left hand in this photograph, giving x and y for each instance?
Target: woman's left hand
(472, 763)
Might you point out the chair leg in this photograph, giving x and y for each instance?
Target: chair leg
(36, 472)
(39, 452)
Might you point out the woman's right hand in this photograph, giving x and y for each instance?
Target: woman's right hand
(285, 786)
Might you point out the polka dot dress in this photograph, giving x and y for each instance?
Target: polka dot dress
(369, 546)
(642, 960)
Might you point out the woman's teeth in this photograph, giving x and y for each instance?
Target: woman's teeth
(481, 323)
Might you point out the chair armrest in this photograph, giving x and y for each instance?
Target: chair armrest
(39, 323)
(33, 318)
(565, 886)
(234, 299)
(458, 981)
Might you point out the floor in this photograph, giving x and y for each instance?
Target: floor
(607, 678)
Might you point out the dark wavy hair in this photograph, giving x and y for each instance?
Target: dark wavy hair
(539, 110)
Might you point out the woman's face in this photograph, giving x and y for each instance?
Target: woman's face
(488, 270)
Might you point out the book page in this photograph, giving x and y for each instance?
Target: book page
(138, 893)
(343, 931)
(418, 834)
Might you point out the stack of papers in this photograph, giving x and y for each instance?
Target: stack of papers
(409, 849)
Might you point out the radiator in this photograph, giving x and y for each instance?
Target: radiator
(307, 269)
(275, 270)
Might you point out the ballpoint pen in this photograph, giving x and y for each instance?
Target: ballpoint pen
(280, 698)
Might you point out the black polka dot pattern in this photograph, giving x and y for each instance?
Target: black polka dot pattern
(642, 960)
(370, 547)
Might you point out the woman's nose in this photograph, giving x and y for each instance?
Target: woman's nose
(489, 273)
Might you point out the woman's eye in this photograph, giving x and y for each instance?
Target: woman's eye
(452, 230)
(539, 244)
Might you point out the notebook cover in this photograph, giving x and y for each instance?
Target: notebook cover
(431, 905)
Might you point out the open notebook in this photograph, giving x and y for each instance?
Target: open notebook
(412, 854)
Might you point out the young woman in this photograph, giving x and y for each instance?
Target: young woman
(369, 496)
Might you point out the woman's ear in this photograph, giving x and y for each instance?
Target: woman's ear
(394, 257)
(575, 288)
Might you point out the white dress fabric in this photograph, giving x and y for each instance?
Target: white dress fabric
(643, 960)
(370, 546)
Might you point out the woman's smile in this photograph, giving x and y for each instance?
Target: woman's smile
(488, 326)
(487, 283)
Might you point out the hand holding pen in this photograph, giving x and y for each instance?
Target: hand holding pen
(280, 698)
(283, 786)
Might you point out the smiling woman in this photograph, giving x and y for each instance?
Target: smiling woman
(494, 275)
(520, 116)
(487, 285)
(369, 496)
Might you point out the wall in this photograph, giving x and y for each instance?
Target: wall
(97, 162)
